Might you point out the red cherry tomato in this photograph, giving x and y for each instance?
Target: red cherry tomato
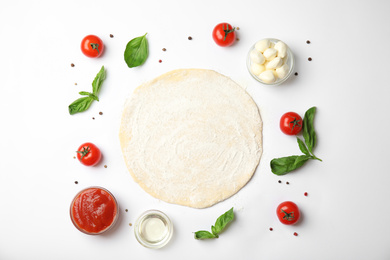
(288, 212)
(88, 154)
(291, 123)
(224, 34)
(92, 46)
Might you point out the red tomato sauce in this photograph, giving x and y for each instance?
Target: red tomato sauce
(94, 210)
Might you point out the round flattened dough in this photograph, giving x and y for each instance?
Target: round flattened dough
(191, 137)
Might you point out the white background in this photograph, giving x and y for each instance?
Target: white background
(345, 215)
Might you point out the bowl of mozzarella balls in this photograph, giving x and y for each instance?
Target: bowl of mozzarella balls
(270, 61)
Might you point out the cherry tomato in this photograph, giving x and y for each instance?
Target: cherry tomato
(291, 123)
(224, 34)
(88, 154)
(288, 212)
(92, 46)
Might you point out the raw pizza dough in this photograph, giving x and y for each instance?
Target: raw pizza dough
(191, 137)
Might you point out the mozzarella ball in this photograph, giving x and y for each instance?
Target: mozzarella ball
(270, 53)
(262, 45)
(282, 71)
(257, 57)
(275, 63)
(267, 76)
(257, 68)
(281, 47)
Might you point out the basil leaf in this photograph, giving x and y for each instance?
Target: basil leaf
(80, 105)
(308, 129)
(281, 166)
(98, 81)
(136, 51)
(302, 147)
(222, 221)
(220, 225)
(85, 93)
(84, 103)
(203, 235)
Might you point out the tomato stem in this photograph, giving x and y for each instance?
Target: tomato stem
(288, 216)
(295, 123)
(84, 152)
(95, 46)
(227, 31)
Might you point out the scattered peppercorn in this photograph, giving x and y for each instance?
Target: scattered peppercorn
(305, 194)
(72, 65)
(163, 49)
(105, 166)
(112, 36)
(309, 59)
(189, 38)
(75, 84)
(100, 113)
(237, 39)
(160, 61)
(308, 42)
(237, 28)
(76, 182)
(295, 234)
(279, 181)
(287, 183)
(270, 229)
(130, 224)
(74, 157)
(126, 210)
(296, 73)
(93, 118)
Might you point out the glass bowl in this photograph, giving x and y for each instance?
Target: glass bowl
(289, 60)
(94, 210)
(153, 229)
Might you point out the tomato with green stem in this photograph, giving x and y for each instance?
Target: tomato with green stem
(288, 212)
(92, 46)
(224, 34)
(89, 154)
(291, 123)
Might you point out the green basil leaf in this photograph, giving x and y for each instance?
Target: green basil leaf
(281, 166)
(302, 147)
(98, 81)
(136, 51)
(80, 105)
(220, 225)
(203, 235)
(85, 93)
(308, 129)
(222, 222)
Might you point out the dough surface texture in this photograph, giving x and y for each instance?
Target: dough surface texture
(191, 137)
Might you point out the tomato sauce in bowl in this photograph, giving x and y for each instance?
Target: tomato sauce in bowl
(94, 210)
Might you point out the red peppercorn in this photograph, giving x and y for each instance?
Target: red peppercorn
(305, 194)
(295, 234)
(160, 61)
(271, 229)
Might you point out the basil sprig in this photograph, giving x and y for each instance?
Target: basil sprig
(219, 226)
(281, 166)
(136, 51)
(83, 103)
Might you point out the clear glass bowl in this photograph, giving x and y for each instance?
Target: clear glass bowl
(153, 229)
(74, 221)
(289, 61)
